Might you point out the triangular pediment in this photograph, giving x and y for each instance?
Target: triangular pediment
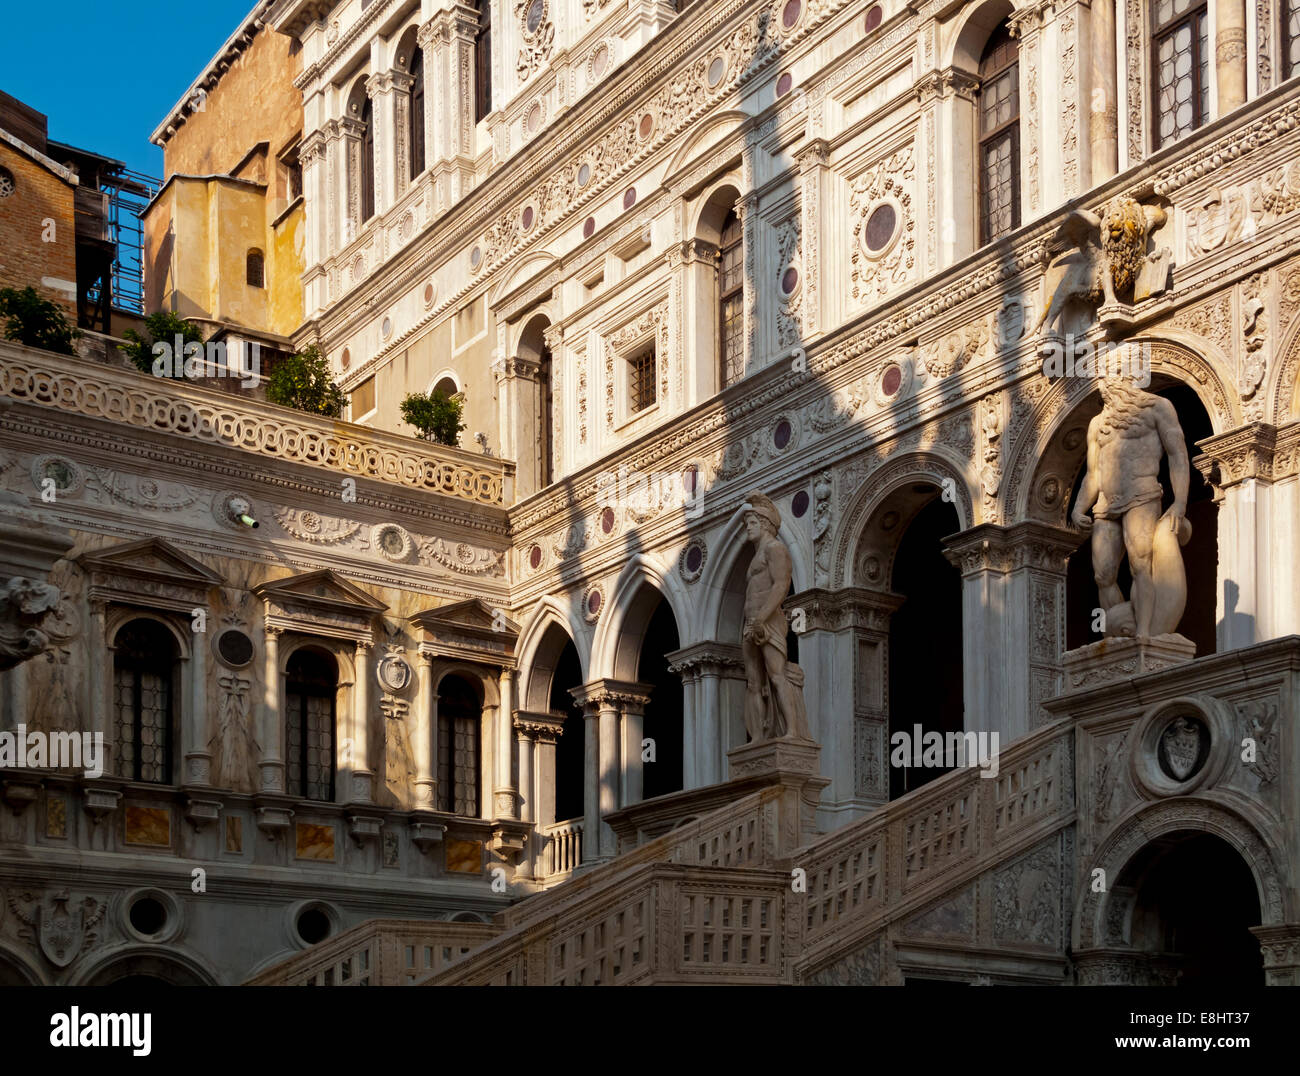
(472, 615)
(152, 559)
(322, 589)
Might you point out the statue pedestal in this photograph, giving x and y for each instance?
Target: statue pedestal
(794, 765)
(1118, 658)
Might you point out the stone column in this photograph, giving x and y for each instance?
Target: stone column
(349, 150)
(1072, 118)
(1281, 947)
(271, 764)
(747, 211)
(1103, 109)
(591, 791)
(101, 680)
(1027, 27)
(609, 774)
(1230, 54)
(401, 123)
(949, 97)
(1240, 464)
(506, 795)
(198, 759)
(448, 43)
(362, 775)
(519, 408)
(703, 717)
(527, 811)
(426, 717)
(311, 158)
(379, 88)
(813, 159)
(1013, 621)
(633, 730)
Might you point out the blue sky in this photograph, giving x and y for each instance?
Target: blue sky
(107, 73)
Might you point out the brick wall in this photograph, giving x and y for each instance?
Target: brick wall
(25, 258)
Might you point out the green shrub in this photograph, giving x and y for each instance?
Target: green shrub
(162, 327)
(303, 382)
(36, 322)
(436, 415)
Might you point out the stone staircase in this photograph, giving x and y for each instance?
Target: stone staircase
(729, 899)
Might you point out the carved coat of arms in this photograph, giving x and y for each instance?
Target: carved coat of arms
(1182, 744)
(62, 931)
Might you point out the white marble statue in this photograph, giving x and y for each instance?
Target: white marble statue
(774, 706)
(1126, 443)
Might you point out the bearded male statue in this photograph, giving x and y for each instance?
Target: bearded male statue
(774, 706)
(1126, 443)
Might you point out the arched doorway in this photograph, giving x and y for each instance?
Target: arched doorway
(925, 643)
(663, 713)
(1194, 902)
(536, 440)
(1200, 555)
(571, 748)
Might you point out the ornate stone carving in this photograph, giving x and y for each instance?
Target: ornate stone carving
(62, 933)
(881, 263)
(463, 557)
(789, 322)
(823, 490)
(1027, 898)
(1259, 724)
(235, 750)
(1254, 355)
(538, 34)
(25, 606)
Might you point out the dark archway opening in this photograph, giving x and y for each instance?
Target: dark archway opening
(1200, 555)
(571, 749)
(663, 715)
(1195, 905)
(925, 666)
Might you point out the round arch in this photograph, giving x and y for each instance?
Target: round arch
(540, 645)
(1099, 916)
(406, 45)
(640, 585)
(531, 341)
(713, 206)
(335, 648)
(975, 28)
(120, 616)
(479, 677)
(176, 966)
(1286, 390)
(16, 971)
(357, 97)
(932, 466)
(1048, 448)
(445, 374)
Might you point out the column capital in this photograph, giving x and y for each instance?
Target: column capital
(1250, 451)
(706, 658)
(849, 607)
(815, 153)
(545, 726)
(990, 547)
(513, 366)
(1281, 947)
(610, 694)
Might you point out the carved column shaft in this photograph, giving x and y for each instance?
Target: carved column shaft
(1103, 111)
(1230, 54)
(362, 775)
(591, 790)
(609, 775)
(198, 759)
(426, 716)
(272, 761)
(101, 704)
(507, 796)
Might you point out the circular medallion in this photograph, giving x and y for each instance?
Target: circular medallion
(629, 198)
(646, 127)
(875, 15)
(234, 648)
(393, 672)
(799, 505)
(790, 13)
(346, 359)
(784, 84)
(607, 521)
(527, 218)
(881, 225)
(691, 561)
(393, 542)
(782, 433)
(592, 602)
(599, 61)
(535, 557)
(59, 474)
(717, 68)
(892, 379)
(534, 119)
(475, 258)
(386, 328)
(588, 227)
(536, 10)
(790, 281)
(584, 175)
(430, 292)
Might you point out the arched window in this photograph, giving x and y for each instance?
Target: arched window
(446, 386)
(310, 693)
(483, 61)
(144, 692)
(546, 419)
(731, 299)
(459, 721)
(999, 136)
(255, 269)
(367, 162)
(416, 113)
(1181, 61)
(1290, 38)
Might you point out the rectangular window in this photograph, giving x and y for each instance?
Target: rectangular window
(1180, 54)
(311, 746)
(143, 704)
(363, 399)
(641, 381)
(731, 296)
(999, 179)
(458, 765)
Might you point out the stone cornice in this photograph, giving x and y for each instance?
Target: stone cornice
(546, 727)
(850, 607)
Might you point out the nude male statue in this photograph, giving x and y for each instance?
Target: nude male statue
(1125, 445)
(773, 707)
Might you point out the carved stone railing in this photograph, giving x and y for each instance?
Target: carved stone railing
(563, 846)
(380, 952)
(662, 923)
(902, 856)
(176, 407)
